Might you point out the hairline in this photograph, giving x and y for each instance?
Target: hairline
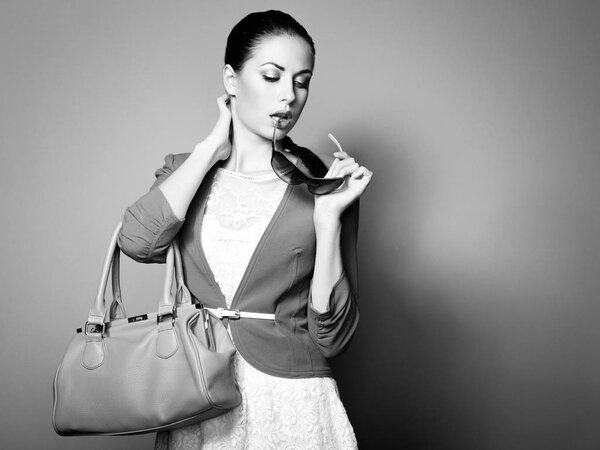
(273, 34)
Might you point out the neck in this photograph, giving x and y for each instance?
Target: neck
(250, 153)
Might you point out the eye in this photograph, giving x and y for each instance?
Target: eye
(302, 84)
(270, 78)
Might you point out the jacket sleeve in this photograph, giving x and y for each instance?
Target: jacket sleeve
(333, 329)
(149, 225)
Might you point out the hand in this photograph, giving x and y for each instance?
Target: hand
(219, 137)
(356, 179)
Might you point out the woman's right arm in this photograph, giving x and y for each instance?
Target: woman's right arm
(181, 185)
(151, 223)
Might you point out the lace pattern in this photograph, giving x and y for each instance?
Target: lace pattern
(238, 210)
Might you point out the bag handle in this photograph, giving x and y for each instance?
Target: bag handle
(117, 309)
(167, 304)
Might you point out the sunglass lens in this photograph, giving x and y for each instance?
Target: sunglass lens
(285, 169)
(306, 167)
(326, 186)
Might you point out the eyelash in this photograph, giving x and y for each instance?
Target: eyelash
(300, 84)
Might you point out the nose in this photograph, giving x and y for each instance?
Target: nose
(288, 94)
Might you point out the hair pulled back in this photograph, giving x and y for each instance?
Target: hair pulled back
(248, 32)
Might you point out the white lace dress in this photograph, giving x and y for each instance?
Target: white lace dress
(276, 413)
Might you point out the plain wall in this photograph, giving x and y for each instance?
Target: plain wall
(479, 236)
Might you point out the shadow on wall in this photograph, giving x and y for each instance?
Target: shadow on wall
(405, 380)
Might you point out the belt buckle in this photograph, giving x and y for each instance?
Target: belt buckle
(228, 313)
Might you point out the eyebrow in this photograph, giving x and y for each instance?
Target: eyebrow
(283, 68)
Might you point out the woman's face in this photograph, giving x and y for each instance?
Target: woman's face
(271, 89)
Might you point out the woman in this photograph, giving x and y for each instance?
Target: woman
(253, 243)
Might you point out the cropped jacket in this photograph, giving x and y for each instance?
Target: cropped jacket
(277, 279)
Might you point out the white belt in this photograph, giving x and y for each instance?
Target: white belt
(223, 313)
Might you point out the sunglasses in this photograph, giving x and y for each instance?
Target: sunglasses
(296, 165)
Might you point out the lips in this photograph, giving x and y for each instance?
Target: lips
(282, 115)
(281, 118)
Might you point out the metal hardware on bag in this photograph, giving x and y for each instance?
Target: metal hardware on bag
(137, 318)
(227, 313)
(172, 315)
(92, 328)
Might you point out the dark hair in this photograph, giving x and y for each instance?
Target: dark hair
(248, 32)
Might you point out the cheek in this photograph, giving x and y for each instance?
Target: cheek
(303, 97)
(252, 91)
(252, 99)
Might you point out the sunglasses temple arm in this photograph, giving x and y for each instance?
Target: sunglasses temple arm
(335, 141)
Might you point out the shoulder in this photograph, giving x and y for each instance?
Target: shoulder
(174, 160)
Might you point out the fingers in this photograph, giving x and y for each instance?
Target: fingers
(362, 172)
(349, 167)
(343, 167)
(224, 119)
(223, 102)
(221, 130)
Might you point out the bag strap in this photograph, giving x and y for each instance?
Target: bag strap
(183, 295)
(117, 309)
(168, 303)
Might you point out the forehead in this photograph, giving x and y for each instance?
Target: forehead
(291, 52)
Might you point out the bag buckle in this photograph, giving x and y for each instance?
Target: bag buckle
(165, 313)
(227, 313)
(93, 328)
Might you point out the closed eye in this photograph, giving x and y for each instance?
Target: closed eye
(302, 84)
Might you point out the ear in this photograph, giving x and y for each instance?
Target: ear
(229, 79)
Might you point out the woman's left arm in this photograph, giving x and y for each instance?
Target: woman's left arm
(334, 278)
(328, 225)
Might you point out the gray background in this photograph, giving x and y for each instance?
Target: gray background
(479, 239)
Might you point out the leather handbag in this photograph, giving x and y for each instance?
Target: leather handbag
(146, 373)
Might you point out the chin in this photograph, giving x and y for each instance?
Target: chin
(281, 132)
